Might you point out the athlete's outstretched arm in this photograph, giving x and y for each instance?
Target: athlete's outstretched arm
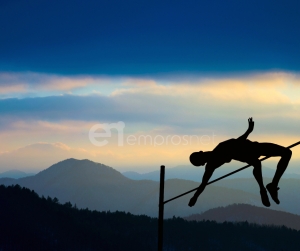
(206, 176)
(250, 129)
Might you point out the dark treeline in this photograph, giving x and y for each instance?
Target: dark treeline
(29, 222)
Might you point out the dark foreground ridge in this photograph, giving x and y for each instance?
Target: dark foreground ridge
(29, 222)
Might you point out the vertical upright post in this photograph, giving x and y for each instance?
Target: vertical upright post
(161, 208)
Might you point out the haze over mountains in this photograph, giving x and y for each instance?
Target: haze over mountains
(99, 187)
(189, 172)
(38, 156)
(96, 186)
(15, 174)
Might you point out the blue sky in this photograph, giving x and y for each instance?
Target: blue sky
(162, 67)
(149, 37)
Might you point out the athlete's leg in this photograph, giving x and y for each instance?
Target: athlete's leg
(258, 176)
(281, 166)
(273, 150)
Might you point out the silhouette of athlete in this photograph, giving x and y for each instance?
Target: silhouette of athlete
(243, 150)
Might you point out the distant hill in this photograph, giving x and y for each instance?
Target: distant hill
(15, 174)
(86, 183)
(96, 186)
(193, 173)
(289, 193)
(249, 213)
(29, 222)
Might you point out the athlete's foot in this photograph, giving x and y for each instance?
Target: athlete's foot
(273, 192)
(193, 201)
(265, 198)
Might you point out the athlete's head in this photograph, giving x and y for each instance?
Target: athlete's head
(198, 158)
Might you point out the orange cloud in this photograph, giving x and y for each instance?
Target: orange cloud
(193, 107)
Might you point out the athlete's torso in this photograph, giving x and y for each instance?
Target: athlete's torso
(237, 149)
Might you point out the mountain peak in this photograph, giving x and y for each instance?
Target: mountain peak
(82, 170)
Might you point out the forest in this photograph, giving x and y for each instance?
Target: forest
(30, 222)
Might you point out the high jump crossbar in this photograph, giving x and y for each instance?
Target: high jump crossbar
(162, 202)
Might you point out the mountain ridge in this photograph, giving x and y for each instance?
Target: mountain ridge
(15, 174)
(98, 187)
(249, 213)
(189, 172)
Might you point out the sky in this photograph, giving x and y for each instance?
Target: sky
(159, 79)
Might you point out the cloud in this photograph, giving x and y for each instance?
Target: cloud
(14, 83)
(156, 107)
(46, 127)
(208, 103)
(17, 88)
